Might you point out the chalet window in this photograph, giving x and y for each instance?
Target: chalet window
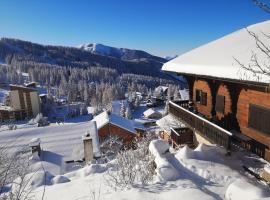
(220, 101)
(201, 97)
(204, 99)
(259, 118)
(198, 95)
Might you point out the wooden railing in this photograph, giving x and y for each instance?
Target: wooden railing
(204, 127)
(181, 135)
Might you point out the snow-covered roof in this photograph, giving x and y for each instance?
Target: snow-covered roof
(184, 94)
(34, 142)
(168, 122)
(104, 118)
(217, 58)
(150, 112)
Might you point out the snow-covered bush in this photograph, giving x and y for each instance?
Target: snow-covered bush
(133, 166)
(13, 173)
(111, 146)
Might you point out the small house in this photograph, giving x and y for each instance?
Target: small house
(109, 124)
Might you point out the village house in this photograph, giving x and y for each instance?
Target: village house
(23, 102)
(228, 106)
(110, 124)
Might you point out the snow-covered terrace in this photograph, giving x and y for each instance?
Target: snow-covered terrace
(217, 59)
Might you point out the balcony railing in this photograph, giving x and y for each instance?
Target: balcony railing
(181, 136)
(204, 127)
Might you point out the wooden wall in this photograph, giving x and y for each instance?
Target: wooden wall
(236, 107)
(111, 129)
(224, 91)
(246, 97)
(204, 86)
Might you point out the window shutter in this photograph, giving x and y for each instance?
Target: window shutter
(220, 103)
(259, 118)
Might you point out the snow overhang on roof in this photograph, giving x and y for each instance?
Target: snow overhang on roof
(217, 59)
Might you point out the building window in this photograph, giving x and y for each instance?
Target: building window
(220, 102)
(259, 118)
(198, 96)
(201, 97)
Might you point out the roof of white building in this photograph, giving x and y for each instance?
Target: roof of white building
(218, 58)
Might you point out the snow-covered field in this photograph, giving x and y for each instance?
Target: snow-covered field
(204, 174)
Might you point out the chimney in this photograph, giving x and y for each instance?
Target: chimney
(88, 147)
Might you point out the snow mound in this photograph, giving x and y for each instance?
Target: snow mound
(60, 179)
(40, 178)
(185, 153)
(165, 170)
(241, 189)
(86, 171)
(93, 169)
(158, 147)
(210, 153)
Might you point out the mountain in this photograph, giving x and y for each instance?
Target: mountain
(121, 59)
(170, 57)
(121, 53)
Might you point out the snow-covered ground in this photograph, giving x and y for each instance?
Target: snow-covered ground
(204, 173)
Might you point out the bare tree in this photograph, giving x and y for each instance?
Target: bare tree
(133, 166)
(14, 178)
(258, 67)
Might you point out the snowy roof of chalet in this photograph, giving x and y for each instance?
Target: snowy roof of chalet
(104, 118)
(168, 122)
(217, 58)
(150, 112)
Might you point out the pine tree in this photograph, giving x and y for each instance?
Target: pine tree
(122, 109)
(128, 113)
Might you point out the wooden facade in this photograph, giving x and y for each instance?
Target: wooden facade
(236, 106)
(112, 129)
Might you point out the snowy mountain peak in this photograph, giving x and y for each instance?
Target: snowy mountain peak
(122, 53)
(97, 48)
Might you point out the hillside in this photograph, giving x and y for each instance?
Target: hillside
(123, 60)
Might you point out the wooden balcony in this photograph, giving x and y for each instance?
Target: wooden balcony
(181, 136)
(205, 128)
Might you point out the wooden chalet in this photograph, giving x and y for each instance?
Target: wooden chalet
(109, 124)
(228, 106)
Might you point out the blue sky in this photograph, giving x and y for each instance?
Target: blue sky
(161, 27)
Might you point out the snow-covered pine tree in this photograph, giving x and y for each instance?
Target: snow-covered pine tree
(122, 109)
(128, 113)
